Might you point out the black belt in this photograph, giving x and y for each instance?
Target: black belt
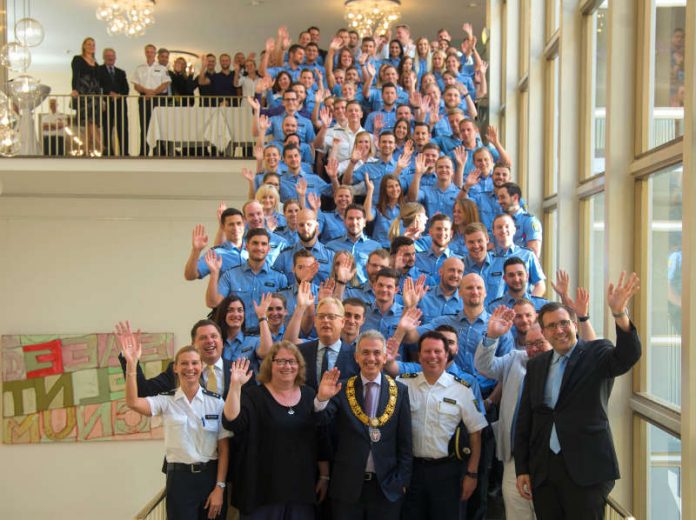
(433, 462)
(197, 467)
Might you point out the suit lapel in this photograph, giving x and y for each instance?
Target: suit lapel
(570, 371)
(311, 361)
(383, 396)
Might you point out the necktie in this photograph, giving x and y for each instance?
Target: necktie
(371, 399)
(212, 384)
(111, 72)
(324, 361)
(554, 443)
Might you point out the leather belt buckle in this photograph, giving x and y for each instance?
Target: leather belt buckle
(197, 467)
(369, 476)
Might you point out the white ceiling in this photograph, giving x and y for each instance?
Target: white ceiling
(209, 26)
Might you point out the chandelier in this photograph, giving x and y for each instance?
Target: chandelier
(129, 17)
(369, 16)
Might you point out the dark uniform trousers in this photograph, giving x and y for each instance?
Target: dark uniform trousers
(372, 504)
(435, 490)
(187, 491)
(559, 498)
(115, 116)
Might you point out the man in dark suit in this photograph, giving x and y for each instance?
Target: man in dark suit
(114, 84)
(329, 350)
(372, 462)
(564, 453)
(215, 376)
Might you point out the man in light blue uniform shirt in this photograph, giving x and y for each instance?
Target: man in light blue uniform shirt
(430, 260)
(516, 286)
(444, 299)
(355, 240)
(288, 181)
(481, 262)
(528, 228)
(384, 313)
(254, 218)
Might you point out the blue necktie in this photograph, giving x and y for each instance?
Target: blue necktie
(554, 443)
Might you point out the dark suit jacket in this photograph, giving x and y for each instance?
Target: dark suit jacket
(392, 454)
(345, 362)
(166, 381)
(580, 414)
(118, 84)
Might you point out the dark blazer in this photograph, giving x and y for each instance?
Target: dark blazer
(118, 84)
(166, 381)
(580, 414)
(392, 454)
(345, 362)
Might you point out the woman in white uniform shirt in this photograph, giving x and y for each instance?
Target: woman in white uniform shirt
(193, 437)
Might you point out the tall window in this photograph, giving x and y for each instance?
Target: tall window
(665, 273)
(549, 257)
(599, 88)
(664, 474)
(667, 96)
(596, 260)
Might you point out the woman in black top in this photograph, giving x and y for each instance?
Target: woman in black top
(276, 471)
(86, 97)
(183, 84)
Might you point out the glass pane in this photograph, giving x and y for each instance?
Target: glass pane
(549, 257)
(664, 475)
(596, 262)
(600, 87)
(667, 111)
(556, 121)
(665, 271)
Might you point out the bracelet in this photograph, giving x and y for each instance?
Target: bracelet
(619, 314)
(583, 319)
(341, 281)
(263, 319)
(324, 477)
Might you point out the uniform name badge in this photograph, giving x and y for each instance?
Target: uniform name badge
(375, 434)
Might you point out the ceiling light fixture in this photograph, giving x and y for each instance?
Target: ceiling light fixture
(370, 16)
(129, 17)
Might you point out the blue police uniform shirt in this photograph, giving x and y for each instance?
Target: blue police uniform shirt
(360, 250)
(249, 286)
(315, 184)
(305, 130)
(437, 200)
(469, 335)
(428, 179)
(536, 273)
(388, 119)
(385, 323)
(429, 264)
(305, 153)
(290, 294)
(276, 245)
(382, 223)
(527, 227)
(458, 245)
(232, 256)
(413, 273)
(241, 346)
(363, 292)
(331, 226)
(323, 255)
(435, 304)
(373, 102)
(488, 207)
(294, 73)
(376, 168)
(287, 234)
(490, 271)
(447, 143)
(508, 300)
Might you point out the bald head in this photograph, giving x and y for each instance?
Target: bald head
(473, 291)
(307, 226)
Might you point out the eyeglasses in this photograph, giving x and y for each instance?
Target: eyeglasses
(564, 324)
(285, 362)
(328, 316)
(536, 344)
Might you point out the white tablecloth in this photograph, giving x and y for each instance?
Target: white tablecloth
(214, 125)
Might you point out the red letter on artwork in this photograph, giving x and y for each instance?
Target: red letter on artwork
(53, 356)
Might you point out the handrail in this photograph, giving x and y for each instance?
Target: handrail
(96, 125)
(615, 511)
(155, 509)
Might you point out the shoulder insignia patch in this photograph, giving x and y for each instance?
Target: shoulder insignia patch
(168, 392)
(409, 375)
(212, 394)
(460, 380)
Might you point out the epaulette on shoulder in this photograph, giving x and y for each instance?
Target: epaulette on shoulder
(460, 380)
(168, 392)
(212, 394)
(499, 299)
(409, 375)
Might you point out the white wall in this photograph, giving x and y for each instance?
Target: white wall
(81, 255)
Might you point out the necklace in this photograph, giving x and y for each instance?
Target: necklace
(282, 400)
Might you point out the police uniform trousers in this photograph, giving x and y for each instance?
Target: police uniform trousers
(435, 490)
(188, 488)
(477, 505)
(372, 504)
(559, 498)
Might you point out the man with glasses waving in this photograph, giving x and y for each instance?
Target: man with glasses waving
(563, 449)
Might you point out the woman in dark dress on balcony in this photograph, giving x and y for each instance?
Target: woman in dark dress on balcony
(183, 84)
(86, 97)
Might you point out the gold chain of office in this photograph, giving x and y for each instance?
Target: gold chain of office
(358, 411)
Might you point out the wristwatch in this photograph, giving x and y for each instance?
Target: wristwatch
(221, 485)
(471, 474)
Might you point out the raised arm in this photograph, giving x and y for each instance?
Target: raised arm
(492, 136)
(131, 349)
(414, 188)
(239, 376)
(266, 339)
(199, 240)
(212, 295)
(304, 300)
(485, 359)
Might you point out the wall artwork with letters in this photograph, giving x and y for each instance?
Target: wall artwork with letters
(71, 388)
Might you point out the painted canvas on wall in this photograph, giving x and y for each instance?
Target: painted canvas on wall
(72, 389)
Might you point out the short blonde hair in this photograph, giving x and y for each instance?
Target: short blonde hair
(268, 189)
(266, 371)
